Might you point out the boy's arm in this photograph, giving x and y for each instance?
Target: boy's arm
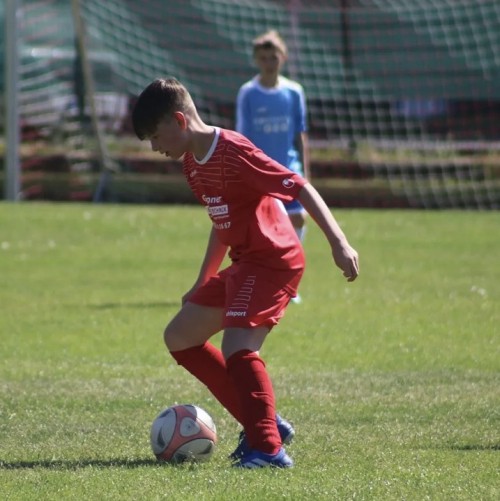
(241, 115)
(214, 255)
(302, 143)
(345, 257)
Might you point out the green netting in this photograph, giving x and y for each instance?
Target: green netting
(448, 50)
(405, 74)
(2, 47)
(398, 49)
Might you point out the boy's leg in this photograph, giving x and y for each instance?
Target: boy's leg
(186, 338)
(298, 220)
(256, 300)
(297, 215)
(192, 326)
(253, 385)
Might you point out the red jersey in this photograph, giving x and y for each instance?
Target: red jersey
(239, 184)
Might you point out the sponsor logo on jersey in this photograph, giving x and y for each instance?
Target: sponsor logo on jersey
(211, 200)
(236, 313)
(218, 210)
(222, 226)
(288, 183)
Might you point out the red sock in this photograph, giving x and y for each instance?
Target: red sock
(256, 393)
(207, 364)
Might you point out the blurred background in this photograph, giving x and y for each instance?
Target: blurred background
(403, 96)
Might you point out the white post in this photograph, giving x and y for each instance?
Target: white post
(12, 185)
(107, 165)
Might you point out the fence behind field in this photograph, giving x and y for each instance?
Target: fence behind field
(403, 97)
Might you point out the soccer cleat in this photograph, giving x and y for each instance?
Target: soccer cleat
(285, 429)
(242, 448)
(257, 459)
(297, 299)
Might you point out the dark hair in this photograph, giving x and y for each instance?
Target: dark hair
(161, 98)
(270, 40)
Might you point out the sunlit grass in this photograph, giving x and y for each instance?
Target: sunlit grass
(391, 382)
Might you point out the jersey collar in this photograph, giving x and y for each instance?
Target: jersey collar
(206, 158)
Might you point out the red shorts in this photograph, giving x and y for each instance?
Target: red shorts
(250, 295)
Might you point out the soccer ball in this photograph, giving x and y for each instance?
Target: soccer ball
(183, 433)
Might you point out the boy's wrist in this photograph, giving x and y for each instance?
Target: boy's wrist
(337, 241)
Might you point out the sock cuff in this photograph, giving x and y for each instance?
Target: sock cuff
(243, 355)
(180, 355)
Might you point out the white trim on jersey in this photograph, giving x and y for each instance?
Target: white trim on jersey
(206, 158)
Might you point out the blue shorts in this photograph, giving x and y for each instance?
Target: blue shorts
(294, 207)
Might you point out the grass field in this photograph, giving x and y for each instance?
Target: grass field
(392, 382)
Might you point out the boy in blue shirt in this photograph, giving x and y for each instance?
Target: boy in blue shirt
(271, 112)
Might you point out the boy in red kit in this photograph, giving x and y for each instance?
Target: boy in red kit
(243, 190)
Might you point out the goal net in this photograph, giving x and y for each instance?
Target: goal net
(403, 96)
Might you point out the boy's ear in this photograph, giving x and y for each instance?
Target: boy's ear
(180, 118)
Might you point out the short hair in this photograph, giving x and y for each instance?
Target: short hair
(270, 40)
(160, 99)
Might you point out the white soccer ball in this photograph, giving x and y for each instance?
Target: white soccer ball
(183, 433)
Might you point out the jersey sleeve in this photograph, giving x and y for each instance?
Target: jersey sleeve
(266, 176)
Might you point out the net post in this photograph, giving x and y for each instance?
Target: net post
(105, 162)
(12, 182)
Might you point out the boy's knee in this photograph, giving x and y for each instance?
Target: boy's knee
(169, 337)
(176, 339)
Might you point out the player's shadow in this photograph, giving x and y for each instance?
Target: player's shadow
(476, 447)
(62, 464)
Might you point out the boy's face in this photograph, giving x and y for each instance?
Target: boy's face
(269, 61)
(169, 138)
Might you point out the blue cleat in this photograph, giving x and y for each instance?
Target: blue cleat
(257, 459)
(285, 429)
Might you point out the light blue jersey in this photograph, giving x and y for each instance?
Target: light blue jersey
(272, 118)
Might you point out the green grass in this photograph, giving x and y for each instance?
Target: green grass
(392, 382)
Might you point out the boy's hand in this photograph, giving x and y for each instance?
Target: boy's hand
(346, 258)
